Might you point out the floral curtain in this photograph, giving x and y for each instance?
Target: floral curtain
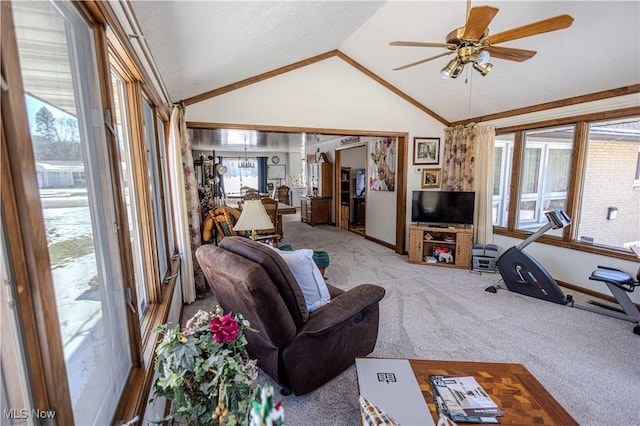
(468, 166)
(459, 159)
(184, 197)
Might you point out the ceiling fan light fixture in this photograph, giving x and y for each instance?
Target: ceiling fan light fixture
(483, 69)
(483, 57)
(453, 69)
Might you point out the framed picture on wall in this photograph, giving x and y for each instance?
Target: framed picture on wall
(426, 150)
(430, 178)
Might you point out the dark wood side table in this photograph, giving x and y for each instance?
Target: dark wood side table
(511, 386)
(315, 210)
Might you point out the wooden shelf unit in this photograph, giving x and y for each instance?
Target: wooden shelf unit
(345, 185)
(423, 240)
(345, 198)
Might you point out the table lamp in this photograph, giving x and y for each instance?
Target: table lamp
(254, 217)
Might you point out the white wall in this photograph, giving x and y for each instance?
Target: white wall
(331, 94)
(356, 158)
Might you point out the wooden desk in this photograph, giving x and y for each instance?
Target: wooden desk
(511, 386)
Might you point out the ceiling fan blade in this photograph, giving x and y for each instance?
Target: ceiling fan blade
(423, 61)
(478, 21)
(421, 44)
(544, 26)
(510, 54)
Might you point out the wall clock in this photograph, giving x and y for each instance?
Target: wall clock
(275, 159)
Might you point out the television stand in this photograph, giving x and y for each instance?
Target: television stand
(448, 246)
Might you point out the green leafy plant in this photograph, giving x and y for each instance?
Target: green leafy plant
(205, 370)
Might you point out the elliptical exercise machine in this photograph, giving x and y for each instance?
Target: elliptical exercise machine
(523, 274)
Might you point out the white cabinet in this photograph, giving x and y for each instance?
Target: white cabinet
(319, 179)
(296, 195)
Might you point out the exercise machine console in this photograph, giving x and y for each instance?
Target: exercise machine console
(523, 274)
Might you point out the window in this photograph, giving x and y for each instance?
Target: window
(87, 212)
(238, 177)
(610, 185)
(544, 175)
(156, 188)
(502, 159)
(16, 392)
(60, 76)
(162, 150)
(597, 183)
(129, 186)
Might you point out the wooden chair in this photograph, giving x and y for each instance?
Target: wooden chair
(271, 206)
(250, 195)
(245, 189)
(282, 194)
(225, 218)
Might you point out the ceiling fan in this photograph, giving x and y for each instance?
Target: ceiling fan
(472, 43)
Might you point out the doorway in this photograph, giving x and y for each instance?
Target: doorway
(384, 212)
(352, 195)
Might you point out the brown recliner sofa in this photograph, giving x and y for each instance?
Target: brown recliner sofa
(299, 350)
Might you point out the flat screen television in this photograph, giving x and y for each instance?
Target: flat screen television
(441, 208)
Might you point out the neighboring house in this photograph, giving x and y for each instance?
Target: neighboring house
(60, 174)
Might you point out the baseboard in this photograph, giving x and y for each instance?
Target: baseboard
(589, 292)
(382, 243)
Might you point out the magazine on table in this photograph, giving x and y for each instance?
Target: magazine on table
(464, 400)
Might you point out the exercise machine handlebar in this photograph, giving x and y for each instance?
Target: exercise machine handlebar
(558, 219)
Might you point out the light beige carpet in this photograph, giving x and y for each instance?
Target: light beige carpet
(590, 363)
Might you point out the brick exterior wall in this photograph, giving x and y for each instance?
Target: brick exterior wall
(609, 182)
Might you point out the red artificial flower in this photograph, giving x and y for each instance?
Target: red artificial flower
(225, 329)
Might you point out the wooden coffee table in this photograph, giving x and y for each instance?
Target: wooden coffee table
(511, 386)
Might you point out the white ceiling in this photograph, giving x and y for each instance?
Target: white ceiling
(203, 45)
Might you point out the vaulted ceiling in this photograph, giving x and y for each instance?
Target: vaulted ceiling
(204, 45)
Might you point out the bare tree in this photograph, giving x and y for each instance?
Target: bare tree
(55, 138)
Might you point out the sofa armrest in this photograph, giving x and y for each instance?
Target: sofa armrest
(342, 308)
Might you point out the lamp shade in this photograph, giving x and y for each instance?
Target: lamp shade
(254, 217)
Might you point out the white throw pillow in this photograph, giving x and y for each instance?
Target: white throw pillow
(304, 269)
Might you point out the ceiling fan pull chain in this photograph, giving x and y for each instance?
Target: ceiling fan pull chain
(470, 90)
